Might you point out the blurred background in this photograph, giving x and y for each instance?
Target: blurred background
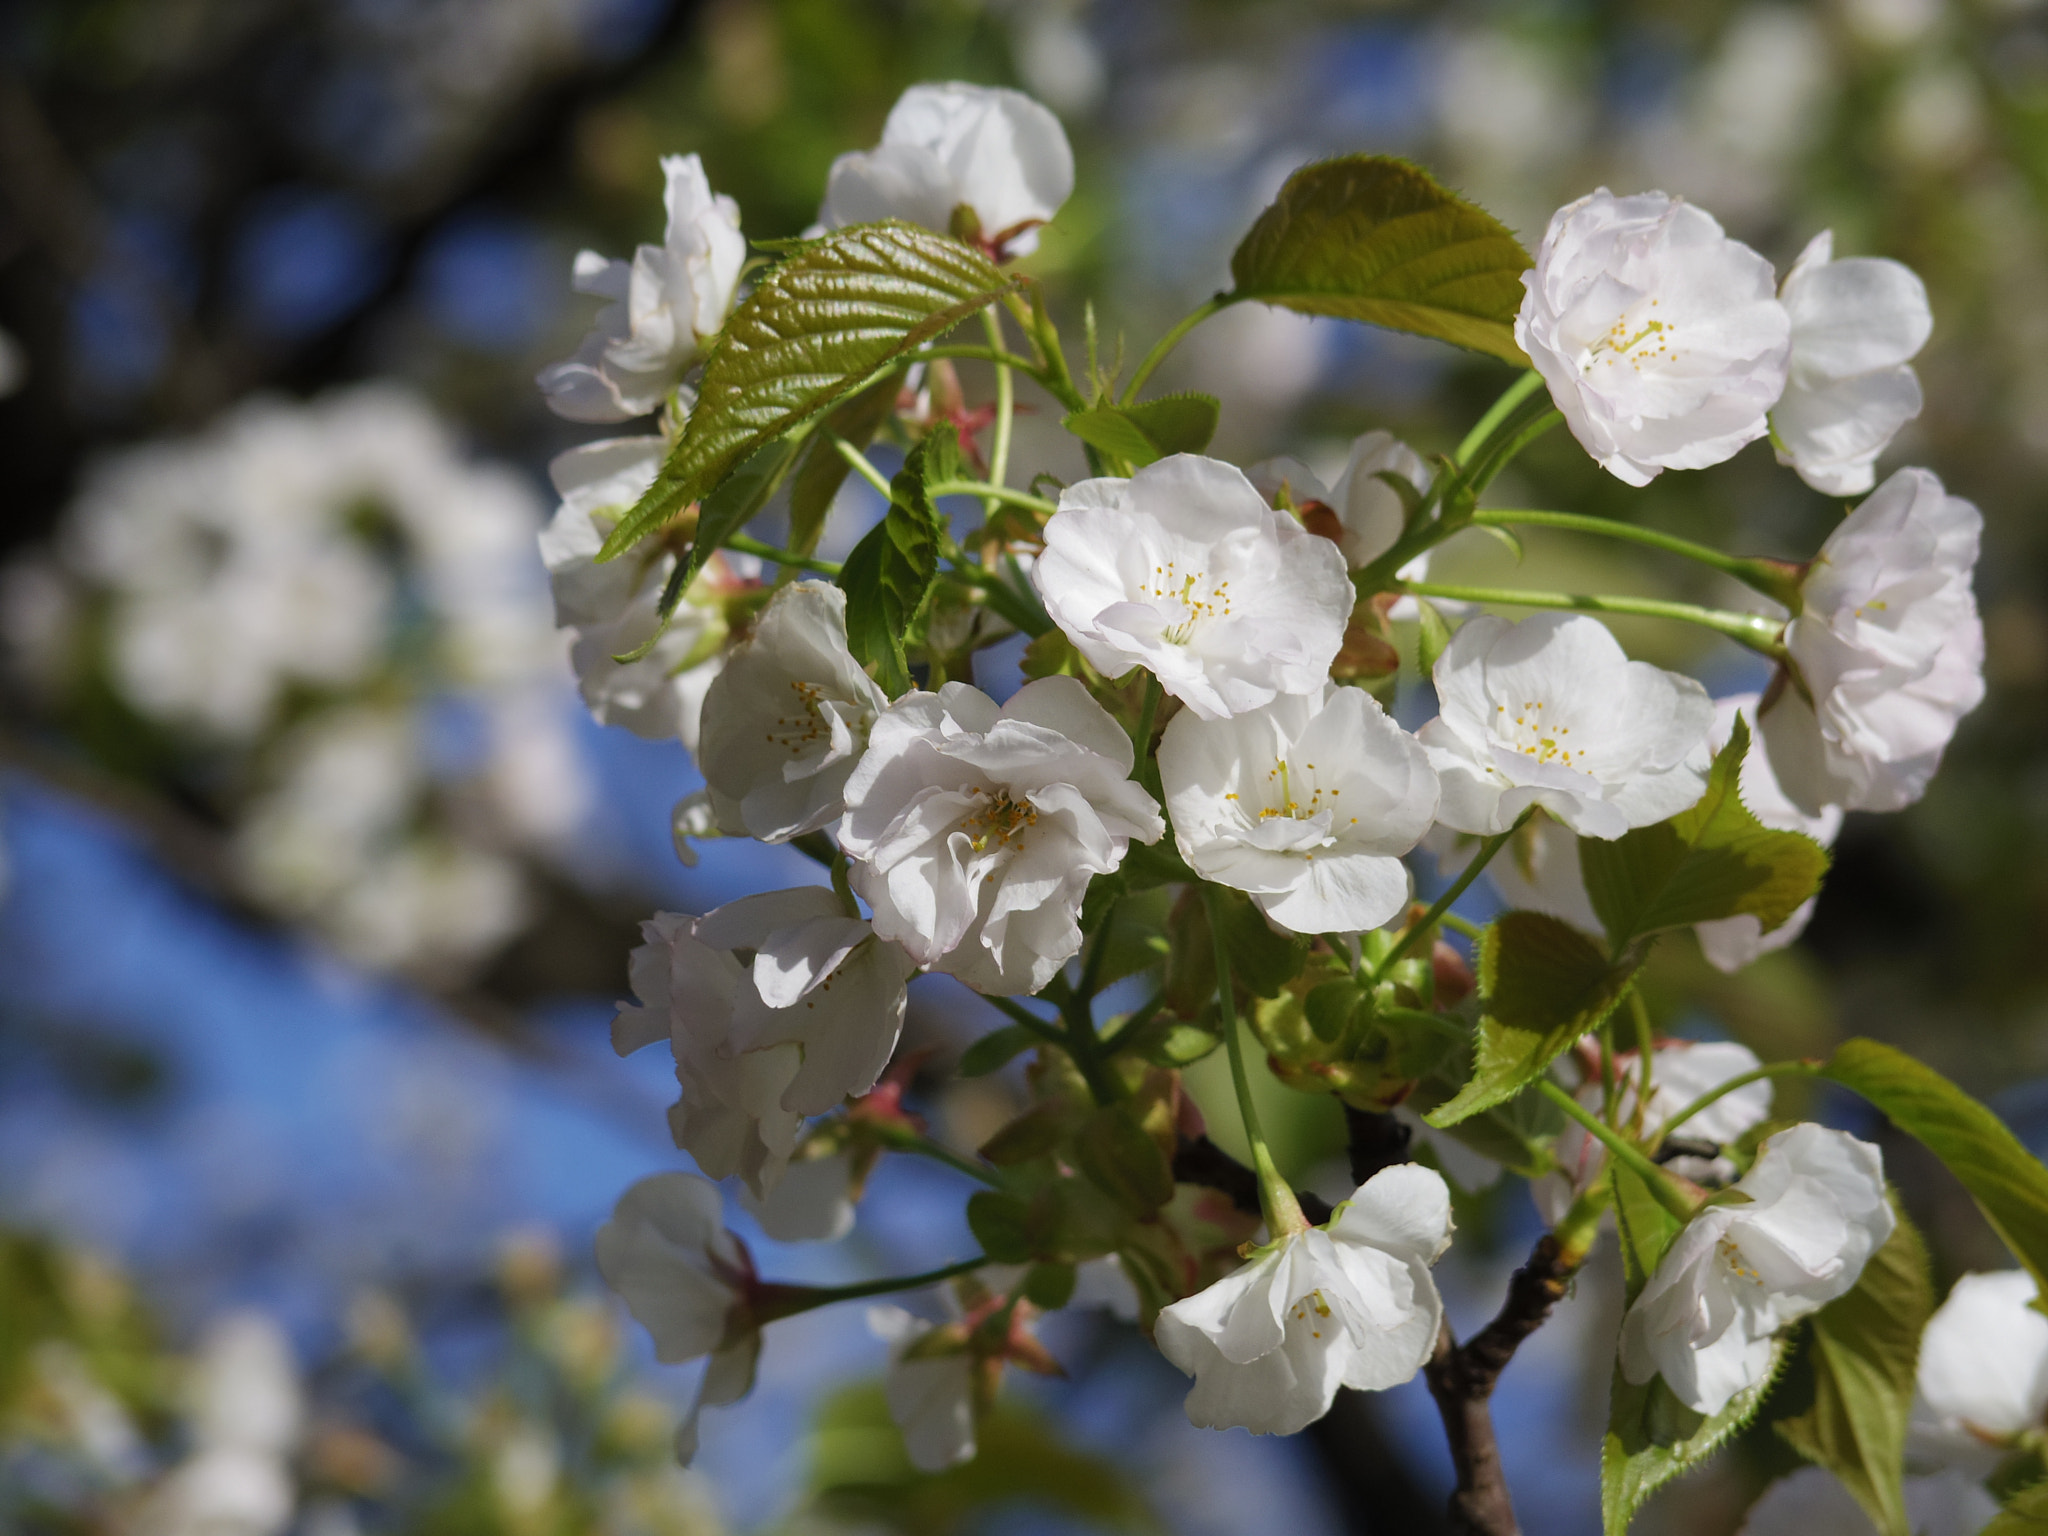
(318, 881)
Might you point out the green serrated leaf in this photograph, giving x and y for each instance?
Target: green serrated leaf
(890, 571)
(816, 327)
(1001, 1224)
(1645, 1226)
(824, 468)
(1143, 434)
(1652, 1437)
(1124, 1162)
(1865, 1347)
(1262, 961)
(1713, 861)
(2008, 1182)
(1373, 238)
(996, 1050)
(1542, 984)
(1432, 637)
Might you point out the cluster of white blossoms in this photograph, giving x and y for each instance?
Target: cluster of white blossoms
(333, 615)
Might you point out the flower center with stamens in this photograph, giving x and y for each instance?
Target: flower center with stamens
(804, 729)
(1187, 598)
(997, 819)
(1626, 336)
(1737, 1265)
(1527, 732)
(1314, 1311)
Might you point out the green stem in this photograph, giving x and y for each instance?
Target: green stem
(1742, 1080)
(1169, 341)
(1528, 422)
(1018, 1014)
(860, 462)
(1624, 1151)
(1463, 925)
(1646, 1051)
(1753, 630)
(1141, 738)
(898, 1138)
(1276, 1195)
(842, 886)
(1580, 1225)
(1511, 397)
(1002, 597)
(1767, 577)
(997, 354)
(1138, 1018)
(780, 1301)
(750, 546)
(1458, 887)
(1006, 405)
(990, 493)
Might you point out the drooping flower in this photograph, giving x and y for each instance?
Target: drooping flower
(1184, 569)
(1813, 1502)
(1856, 326)
(1550, 712)
(1738, 1274)
(1680, 1071)
(1662, 340)
(1348, 1304)
(612, 607)
(810, 1017)
(666, 303)
(976, 829)
(787, 717)
(1889, 652)
(689, 1282)
(982, 161)
(1983, 1373)
(1259, 804)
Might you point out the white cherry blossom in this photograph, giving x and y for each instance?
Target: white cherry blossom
(992, 151)
(810, 1017)
(1550, 712)
(1813, 1502)
(787, 718)
(1730, 943)
(1680, 1071)
(612, 607)
(1983, 1374)
(247, 1415)
(688, 1281)
(1738, 1274)
(976, 829)
(666, 303)
(1184, 569)
(1307, 803)
(1889, 651)
(1856, 326)
(812, 1203)
(1369, 512)
(1349, 1304)
(930, 1389)
(1662, 340)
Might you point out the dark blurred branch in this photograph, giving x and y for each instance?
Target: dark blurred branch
(1200, 1161)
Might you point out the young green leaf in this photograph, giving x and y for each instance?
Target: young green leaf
(816, 327)
(1645, 1226)
(2008, 1182)
(890, 572)
(1864, 1350)
(1144, 433)
(1261, 960)
(1542, 984)
(995, 1050)
(1713, 861)
(824, 468)
(2025, 1515)
(1373, 238)
(1124, 1162)
(1432, 637)
(1652, 1437)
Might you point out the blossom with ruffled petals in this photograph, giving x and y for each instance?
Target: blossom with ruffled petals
(1184, 569)
(1889, 652)
(975, 830)
(1662, 340)
(1550, 712)
(666, 303)
(1738, 1274)
(809, 1016)
(1983, 1373)
(1307, 803)
(1348, 1304)
(787, 718)
(983, 161)
(1856, 326)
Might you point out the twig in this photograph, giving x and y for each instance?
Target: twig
(1200, 1161)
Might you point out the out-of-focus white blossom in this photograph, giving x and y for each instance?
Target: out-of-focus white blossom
(246, 1418)
(991, 151)
(1889, 650)
(1185, 570)
(787, 718)
(1369, 513)
(1813, 1502)
(1983, 1373)
(1307, 803)
(1856, 326)
(1738, 1274)
(688, 1281)
(930, 1388)
(1351, 1304)
(777, 1006)
(975, 830)
(1550, 712)
(666, 303)
(1662, 340)
(812, 1203)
